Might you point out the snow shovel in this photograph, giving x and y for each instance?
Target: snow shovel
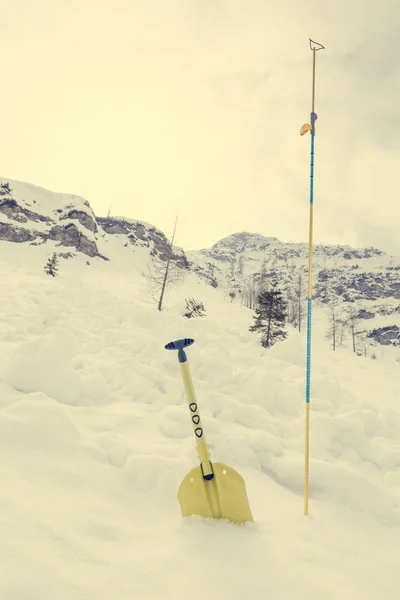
(213, 489)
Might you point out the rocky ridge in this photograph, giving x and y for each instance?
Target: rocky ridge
(29, 214)
(364, 278)
(364, 281)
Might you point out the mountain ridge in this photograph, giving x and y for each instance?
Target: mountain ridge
(239, 263)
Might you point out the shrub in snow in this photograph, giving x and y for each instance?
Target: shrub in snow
(194, 308)
(51, 267)
(213, 282)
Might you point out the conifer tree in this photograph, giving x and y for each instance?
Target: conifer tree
(270, 317)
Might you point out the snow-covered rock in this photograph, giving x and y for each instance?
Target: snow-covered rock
(138, 233)
(32, 214)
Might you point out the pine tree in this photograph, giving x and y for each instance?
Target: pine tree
(51, 266)
(270, 317)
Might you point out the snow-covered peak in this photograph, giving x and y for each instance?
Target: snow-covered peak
(242, 241)
(365, 280)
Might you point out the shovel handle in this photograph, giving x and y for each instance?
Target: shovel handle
(180, 345)
(201, 444)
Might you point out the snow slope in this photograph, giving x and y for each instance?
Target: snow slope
(95, 438)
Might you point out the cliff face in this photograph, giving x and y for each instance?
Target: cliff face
(31, 214)
(142, 234)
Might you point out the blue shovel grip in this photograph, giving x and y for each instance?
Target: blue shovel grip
(180, 345)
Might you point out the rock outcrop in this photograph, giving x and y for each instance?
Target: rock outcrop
(142, 234)
(31, 214)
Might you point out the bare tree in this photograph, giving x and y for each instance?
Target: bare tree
(363, 344)
(352, 325)
(300, 299)
(342, 331)
(296, 296)
(232, 266)
(336, 325)
(164, 271)
(240, 265)
(333, 326)
(263, 275)
(250, 291)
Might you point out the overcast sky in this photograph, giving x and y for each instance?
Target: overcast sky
(151, 105)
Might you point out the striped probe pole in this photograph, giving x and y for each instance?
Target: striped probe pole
(310, 127)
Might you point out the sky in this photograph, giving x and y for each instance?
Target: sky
(196, 106)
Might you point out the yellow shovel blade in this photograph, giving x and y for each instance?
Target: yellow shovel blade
(223, 497)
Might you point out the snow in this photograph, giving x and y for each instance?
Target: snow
(95, 438)
(41, 200)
